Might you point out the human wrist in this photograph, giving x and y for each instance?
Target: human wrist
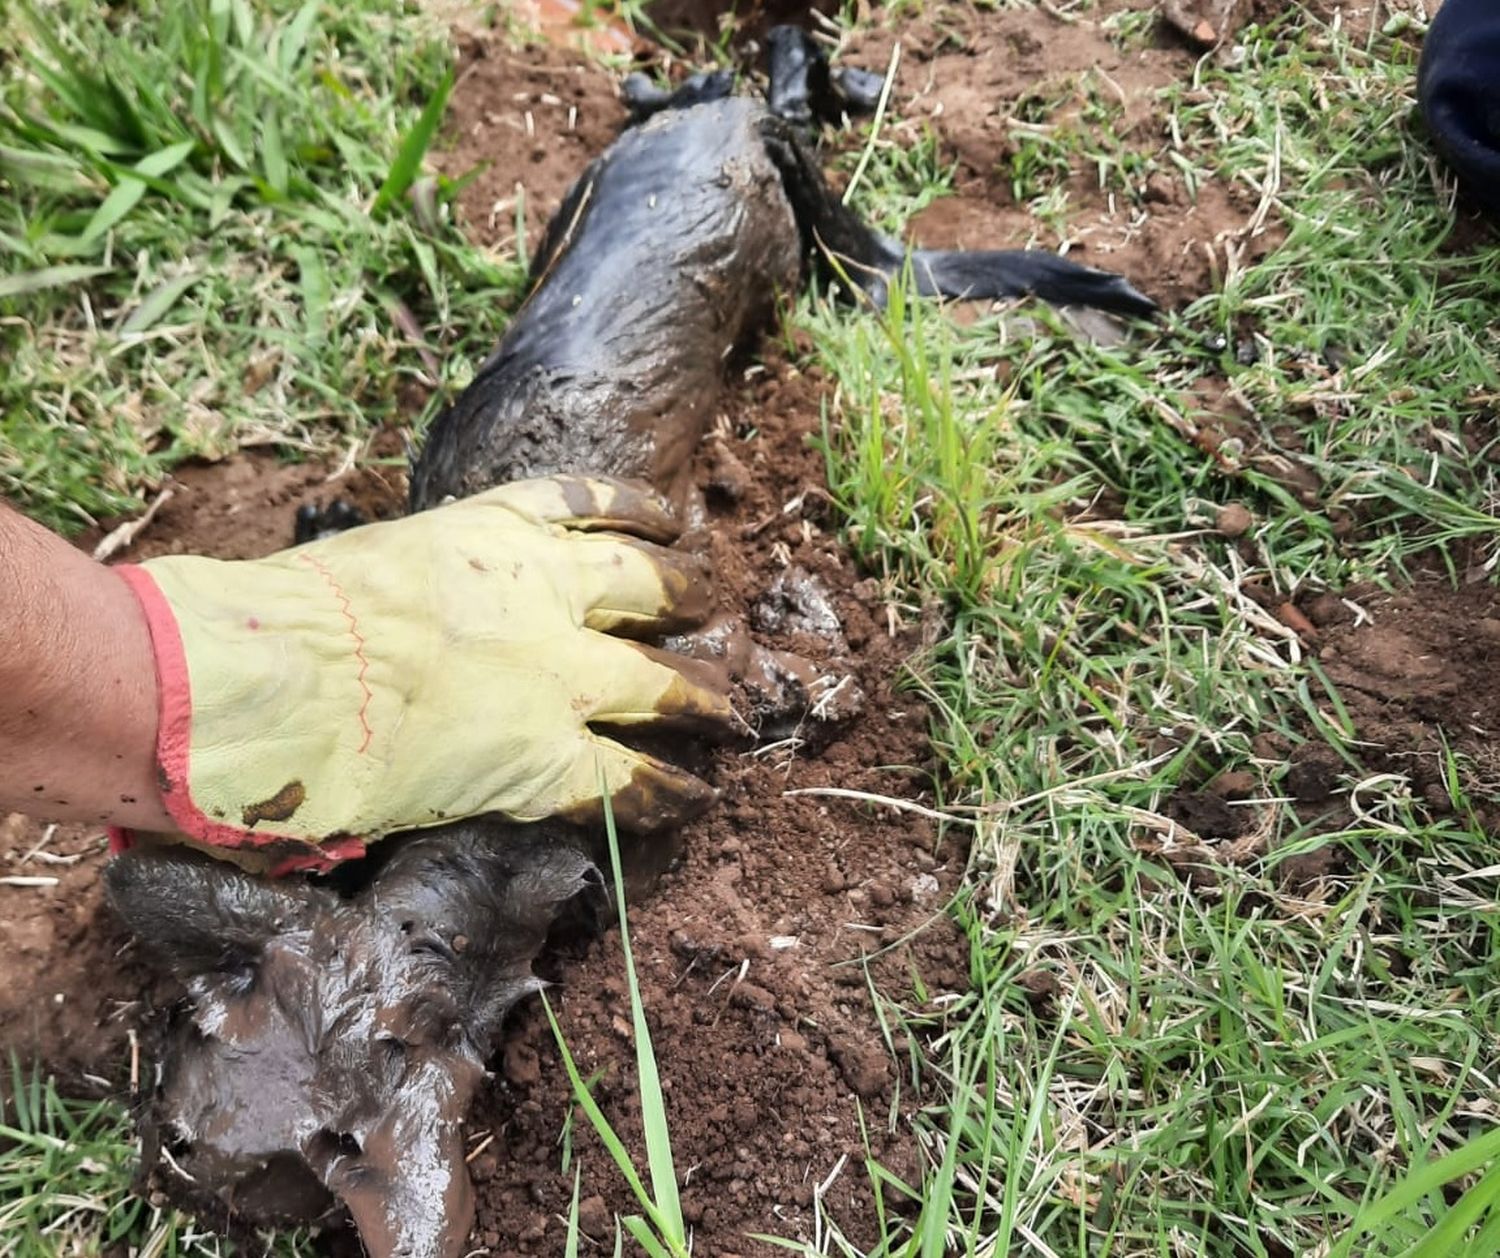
(242, 649)
(78, 720)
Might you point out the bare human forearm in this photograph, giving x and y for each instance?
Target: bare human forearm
(77, 687)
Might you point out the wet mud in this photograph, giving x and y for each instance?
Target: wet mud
(330, 1047)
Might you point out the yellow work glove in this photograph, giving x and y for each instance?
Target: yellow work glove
(436, 667)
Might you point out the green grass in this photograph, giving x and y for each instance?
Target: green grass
(206, 242)
(1223, 1069)
(1226, 1069)
(66, 1169)
(661, 1233)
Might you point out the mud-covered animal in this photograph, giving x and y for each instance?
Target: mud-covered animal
(667, 256)
(331, 1044)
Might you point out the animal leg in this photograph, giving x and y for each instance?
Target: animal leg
(645, 99)
(846, 247)
(802, 88)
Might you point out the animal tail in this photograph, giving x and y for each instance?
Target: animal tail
(844, 246)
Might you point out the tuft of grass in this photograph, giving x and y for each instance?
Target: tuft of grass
(662, 1233)
(66, 1169)
(1229, 1064)
(214, 233)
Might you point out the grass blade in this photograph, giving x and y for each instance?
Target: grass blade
(273, 156)
(1420, 1183)
(47, 277)
(294, 37)
(653, 1104)
(601, 1124)
(157, 303)
(413, 148)
(570, 1247)
(644, 1236)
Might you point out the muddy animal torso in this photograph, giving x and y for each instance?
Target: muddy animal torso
(665, 257)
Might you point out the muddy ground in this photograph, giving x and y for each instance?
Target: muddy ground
(750, 948)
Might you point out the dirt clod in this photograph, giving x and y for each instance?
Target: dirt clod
(1234, 520)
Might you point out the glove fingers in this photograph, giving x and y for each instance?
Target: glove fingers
(589, 504)
(643, 685)
(654, 795)
(635, 587)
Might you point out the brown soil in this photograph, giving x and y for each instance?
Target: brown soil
(698, 23)
(1418, 676)
(530, 119)
(767, 1048)
(1416, 671)
(964, 74)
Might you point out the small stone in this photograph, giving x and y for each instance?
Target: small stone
(1234, 520)
(924, 887)
(881, 896)
(1206, 22)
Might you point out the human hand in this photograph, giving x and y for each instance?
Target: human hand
(452, 663)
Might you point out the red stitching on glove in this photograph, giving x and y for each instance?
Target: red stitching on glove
(359, 643)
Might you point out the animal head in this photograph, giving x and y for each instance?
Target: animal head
(332, 1046)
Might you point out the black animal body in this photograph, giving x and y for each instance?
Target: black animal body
(331, 1043)
(667, 256)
